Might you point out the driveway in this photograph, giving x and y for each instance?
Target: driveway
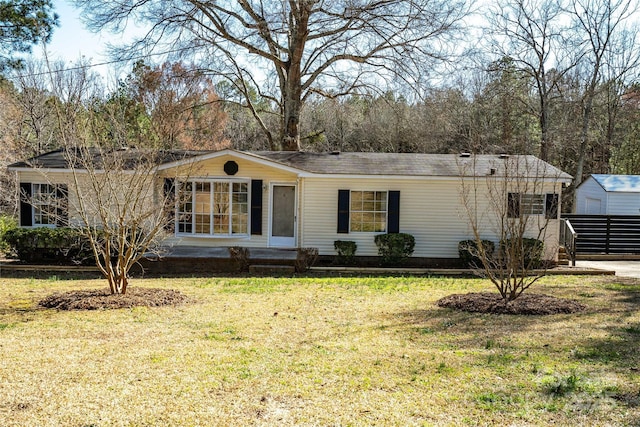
(622, 268)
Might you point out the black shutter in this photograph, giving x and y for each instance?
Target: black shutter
(26, 217)
(393, 212)
(551, 206)
(343, 211)
(513, 205)
(169, 198)
(62, 205)
(256, 207)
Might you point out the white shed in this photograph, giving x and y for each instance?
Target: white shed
(603, 194)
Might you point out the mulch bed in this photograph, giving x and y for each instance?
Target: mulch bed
(486, 302)
(101, 299)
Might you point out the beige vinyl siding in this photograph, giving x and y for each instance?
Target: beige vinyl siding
(430, 209)
(247, 170)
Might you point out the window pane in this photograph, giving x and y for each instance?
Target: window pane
(368, 211)
(45, 204)
(532, 204)
(213, 207)
(240, 208)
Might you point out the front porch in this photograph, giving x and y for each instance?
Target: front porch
(197, 259)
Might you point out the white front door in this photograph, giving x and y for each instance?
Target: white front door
(282, 227)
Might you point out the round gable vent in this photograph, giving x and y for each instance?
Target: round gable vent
(231, 168)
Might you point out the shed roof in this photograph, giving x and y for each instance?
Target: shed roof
(618, 183)
(344, 163)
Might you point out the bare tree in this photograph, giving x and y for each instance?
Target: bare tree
(121, 204)
(116, 197)
(516, 199)
(530, 34)
(292, 49)
(609, 50)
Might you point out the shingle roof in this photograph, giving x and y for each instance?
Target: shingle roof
(620, 183)
(349, 163)
(59, 159)
(412, 164)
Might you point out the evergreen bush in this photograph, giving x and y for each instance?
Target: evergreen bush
(395, 248)
(346, 250)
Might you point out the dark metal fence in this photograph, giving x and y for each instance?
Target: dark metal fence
(606, 234)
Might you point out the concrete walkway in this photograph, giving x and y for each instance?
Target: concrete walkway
(622, 268)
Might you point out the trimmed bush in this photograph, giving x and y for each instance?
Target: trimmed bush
(395, 248)
(61, 245)
(468, 252)
(346, 250)
(528, 249)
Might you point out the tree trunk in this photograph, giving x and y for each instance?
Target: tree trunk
(544, 134)
(291, 119)
(292, 96)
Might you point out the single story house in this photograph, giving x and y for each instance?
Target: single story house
(604, 194)
(303, 199)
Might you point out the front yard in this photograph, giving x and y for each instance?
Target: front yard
(319, 351)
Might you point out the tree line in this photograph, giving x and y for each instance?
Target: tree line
(553, 78)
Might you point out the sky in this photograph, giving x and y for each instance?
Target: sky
(72, 41)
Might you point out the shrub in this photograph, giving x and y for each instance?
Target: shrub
(395, 248)
(470, 255)
(526, 250)
(43, 244)
(240, 257)
(6, 223)
(346, 251)
(305, 259)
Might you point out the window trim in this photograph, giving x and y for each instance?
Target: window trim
(386, 212)
(547, 204)
(58, 194)
(211, 181)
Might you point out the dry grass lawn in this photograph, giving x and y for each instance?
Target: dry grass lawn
(319, 351)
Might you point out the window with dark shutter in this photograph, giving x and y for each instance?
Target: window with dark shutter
(513, 205)
(393, 215)
(343, 211)
(26, 218)
(256, 207)
(551, 206)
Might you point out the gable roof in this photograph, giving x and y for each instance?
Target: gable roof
(618, 183)
(338, 163)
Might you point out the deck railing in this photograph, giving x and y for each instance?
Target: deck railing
(568, 238)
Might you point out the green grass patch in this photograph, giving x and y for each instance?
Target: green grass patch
(319, 351)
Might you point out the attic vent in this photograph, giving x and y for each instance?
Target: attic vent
(334, 153)
(503, 156)
(230, 167)
(465, 154)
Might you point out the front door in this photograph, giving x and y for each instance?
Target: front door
(283, 216)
